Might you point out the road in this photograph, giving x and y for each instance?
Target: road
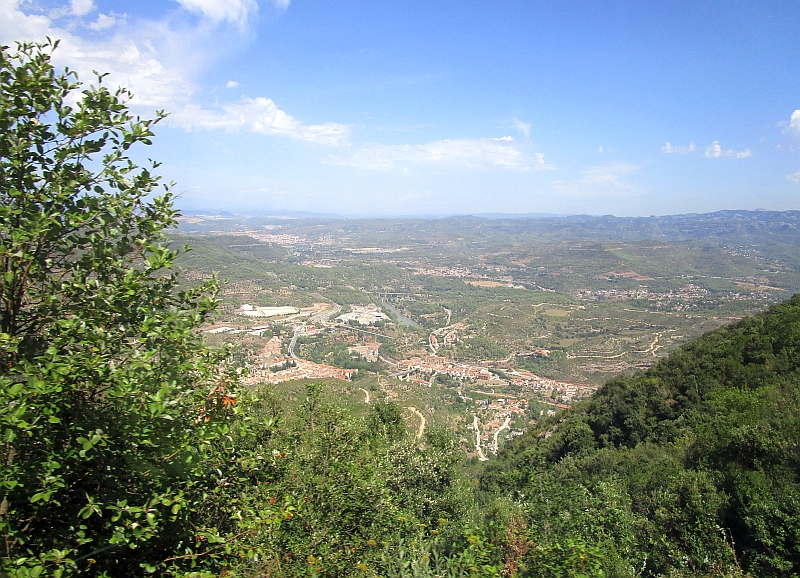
(430, 344)
(327, 314)
(421, 429)
(497, 433)
(297, 331)
(478, 448)
(321, 316)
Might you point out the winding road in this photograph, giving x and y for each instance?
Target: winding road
(321, 316)
(497, 433)
(475, 424)
(297, 331)
(422, 421)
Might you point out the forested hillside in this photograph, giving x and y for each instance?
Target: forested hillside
(690, 468)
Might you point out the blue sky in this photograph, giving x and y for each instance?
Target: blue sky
(402, 108)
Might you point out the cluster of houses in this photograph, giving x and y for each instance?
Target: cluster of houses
(548, 390)
(567, 392)
(436, 364)
(272, 366)
(302, 369)
(368, 351)
(445, 335)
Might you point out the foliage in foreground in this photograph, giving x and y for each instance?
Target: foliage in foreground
(111, 411)
(126, 448)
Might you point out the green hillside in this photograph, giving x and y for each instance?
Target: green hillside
(688, 469)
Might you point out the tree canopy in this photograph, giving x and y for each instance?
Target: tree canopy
(126, 446)
(107, 398)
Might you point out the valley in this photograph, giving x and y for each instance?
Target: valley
(481, 326)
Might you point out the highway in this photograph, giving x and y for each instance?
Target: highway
(297, 331)
(327, 314)
(321, 316)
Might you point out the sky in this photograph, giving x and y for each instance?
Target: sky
(365, 108)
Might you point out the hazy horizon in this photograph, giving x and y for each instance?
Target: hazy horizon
(291, 214)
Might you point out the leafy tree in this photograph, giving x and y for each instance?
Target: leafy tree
(111, 412)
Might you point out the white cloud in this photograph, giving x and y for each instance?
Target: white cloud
(152, 61)
(282, 4)
(232, 84)
(794, 121)
(600, 149)
(472, 153)
(158, 64)
(715, 152)
(677, 149)
(523, 127)
(795, 178)
(81, 7)
(235, 11)
(259, 115)
(103, 21)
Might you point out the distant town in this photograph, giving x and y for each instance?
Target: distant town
(475, 384)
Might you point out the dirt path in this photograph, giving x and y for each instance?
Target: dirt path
(497, 433)
(653, 347)
(422, 421)
(476, 425)
(598, 356)
(366, 393)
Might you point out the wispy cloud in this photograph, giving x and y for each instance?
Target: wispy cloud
(795, 177)
(470, 153)
(236, 12)
(603, 181)
(231, 84)
(715, 151)
(608, 174)
(523, 127)
(677, 149)
(261, 191)
(259, 115)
